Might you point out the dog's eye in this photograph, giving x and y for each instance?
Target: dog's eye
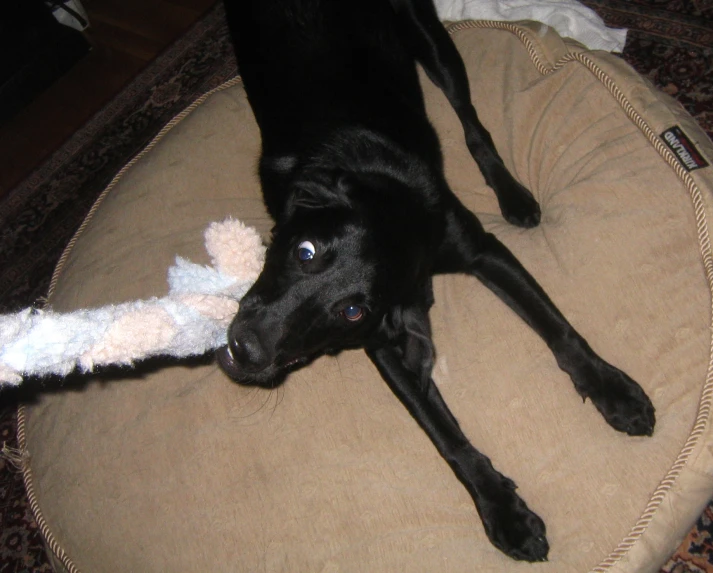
(306, 251)
(353, 313)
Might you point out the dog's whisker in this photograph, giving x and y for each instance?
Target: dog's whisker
(278, 399)
(254, 395)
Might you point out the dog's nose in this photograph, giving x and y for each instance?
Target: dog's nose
(247, 350)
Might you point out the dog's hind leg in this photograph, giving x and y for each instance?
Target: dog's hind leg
(469, 249)
(510, 525)
(435, 51)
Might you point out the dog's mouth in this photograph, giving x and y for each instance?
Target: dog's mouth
(270, 376)
(227, 361)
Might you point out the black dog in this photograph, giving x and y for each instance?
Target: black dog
(352, 174)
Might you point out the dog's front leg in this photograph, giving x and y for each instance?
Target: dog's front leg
(434, 49)
(469, 249)
(510, 525)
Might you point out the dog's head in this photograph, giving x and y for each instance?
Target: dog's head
(349, 266)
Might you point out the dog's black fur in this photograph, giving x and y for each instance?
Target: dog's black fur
(352, 173)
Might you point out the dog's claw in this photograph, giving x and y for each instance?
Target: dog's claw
(536, 550)
(542, 549)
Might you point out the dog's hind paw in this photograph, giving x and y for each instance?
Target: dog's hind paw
(513, 528)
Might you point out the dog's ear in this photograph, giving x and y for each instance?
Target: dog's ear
(318, 189)
(409, 329)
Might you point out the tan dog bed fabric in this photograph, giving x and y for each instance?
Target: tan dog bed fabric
(181, 470)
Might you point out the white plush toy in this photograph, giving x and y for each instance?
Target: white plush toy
(191, 320)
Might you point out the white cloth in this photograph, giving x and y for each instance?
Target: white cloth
(570, 18)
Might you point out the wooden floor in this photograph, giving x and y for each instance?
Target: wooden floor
(126, 35)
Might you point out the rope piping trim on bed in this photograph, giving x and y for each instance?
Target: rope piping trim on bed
(523, 34)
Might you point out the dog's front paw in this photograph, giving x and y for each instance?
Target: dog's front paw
(512, 527)
(621, 401)
(518, 206)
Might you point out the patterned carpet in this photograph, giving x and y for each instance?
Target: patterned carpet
(670, 42)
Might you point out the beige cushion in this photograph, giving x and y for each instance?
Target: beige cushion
(182, 470)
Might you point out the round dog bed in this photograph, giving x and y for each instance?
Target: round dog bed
(178, 469)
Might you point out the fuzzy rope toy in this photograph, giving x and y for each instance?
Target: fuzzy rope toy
(191, 320)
